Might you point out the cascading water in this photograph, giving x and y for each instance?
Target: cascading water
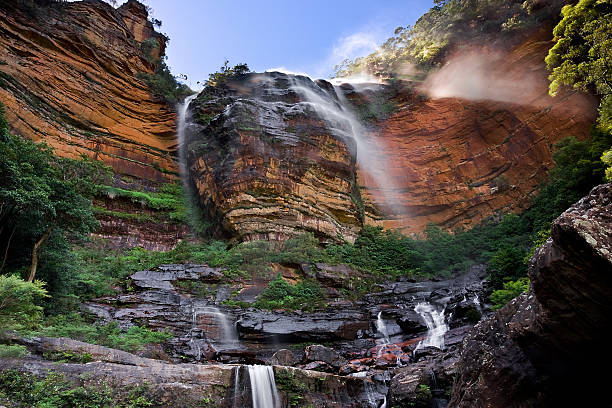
(436, 325)
(181, 128)
(331, 105)
(381, 327)
(226, 337)
(263, 387)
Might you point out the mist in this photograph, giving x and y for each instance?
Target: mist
(482, 74)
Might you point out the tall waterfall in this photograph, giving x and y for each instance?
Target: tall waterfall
(181, 129)
(332, 106)
(436, 325)
(263, 387)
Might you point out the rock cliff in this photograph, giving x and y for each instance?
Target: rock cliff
(544, 348)
(268, 162)
(68, 76)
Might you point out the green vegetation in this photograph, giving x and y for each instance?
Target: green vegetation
(168, 201)
(279, 294)
(19, 303)
(511, 290)
(581, 58)
(13, 351)
(110, 335)
(19, 389)
(295, 390)
(68, 357)
(225, 73)
(447, 25)
(165, 85)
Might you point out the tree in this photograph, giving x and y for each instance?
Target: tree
(582, 55)
(39, 195)
(226, 72)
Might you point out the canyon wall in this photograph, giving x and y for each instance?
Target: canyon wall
(68, 76)
(455, 161)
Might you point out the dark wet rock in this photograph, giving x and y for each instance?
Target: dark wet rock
(336, 276)
(424, 352)
(411, 322)
(319, 366)
(162, 276)
(317, 352)
(283, 357)
(322, 326)
(542, 347)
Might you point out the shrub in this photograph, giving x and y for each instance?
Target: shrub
(23, 390)
(18, 303)
(225, 73)
(13, 351)
(279, 294)
(511, 290)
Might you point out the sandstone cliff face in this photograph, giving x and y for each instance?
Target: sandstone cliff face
(265, 164)
(454, 162)
(68, 77)
(545, 347)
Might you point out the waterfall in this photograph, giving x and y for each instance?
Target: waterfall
(228, 337)
(183, 119)
(332, 106)
(263, 387)
(436, 325)
(382, 328)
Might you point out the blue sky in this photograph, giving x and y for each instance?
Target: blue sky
(300, 36)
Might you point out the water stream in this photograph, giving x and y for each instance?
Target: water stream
(224, 336)
(436, 325)
(263, 387)
(332, 106)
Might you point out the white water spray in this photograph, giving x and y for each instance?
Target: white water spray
(263, 387)
(336, 111)
(381, 327)
(436, 325)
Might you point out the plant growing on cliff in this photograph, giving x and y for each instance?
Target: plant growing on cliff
(279, 294)
(225, 73)
(511, 290)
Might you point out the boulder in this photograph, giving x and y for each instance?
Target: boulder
(536, 350)
(283, 357)
(317, 352)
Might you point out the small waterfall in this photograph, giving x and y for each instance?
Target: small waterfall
(436, 325)
(226, 338)
(332, 106)
(382, 328)
(263, 387)
(181, 128)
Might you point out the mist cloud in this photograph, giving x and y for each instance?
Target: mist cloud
(482, 74)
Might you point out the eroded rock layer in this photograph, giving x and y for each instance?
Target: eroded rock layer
(68, 76)
(266, 165)
(543, 348)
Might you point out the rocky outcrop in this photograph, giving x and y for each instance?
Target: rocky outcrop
(544, 348)
(69, 77)
(265, 164)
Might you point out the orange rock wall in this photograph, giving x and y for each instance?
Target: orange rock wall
(68, 76)
(455, 162)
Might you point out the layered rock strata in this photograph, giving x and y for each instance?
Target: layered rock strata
(69, 77)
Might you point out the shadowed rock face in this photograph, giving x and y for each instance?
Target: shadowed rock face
(544, 348)
(68, 76)
(266, 165)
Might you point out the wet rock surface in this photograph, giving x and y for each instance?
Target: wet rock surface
(528, 353)
(344, 338)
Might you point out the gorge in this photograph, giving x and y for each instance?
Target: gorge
(437, 234)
